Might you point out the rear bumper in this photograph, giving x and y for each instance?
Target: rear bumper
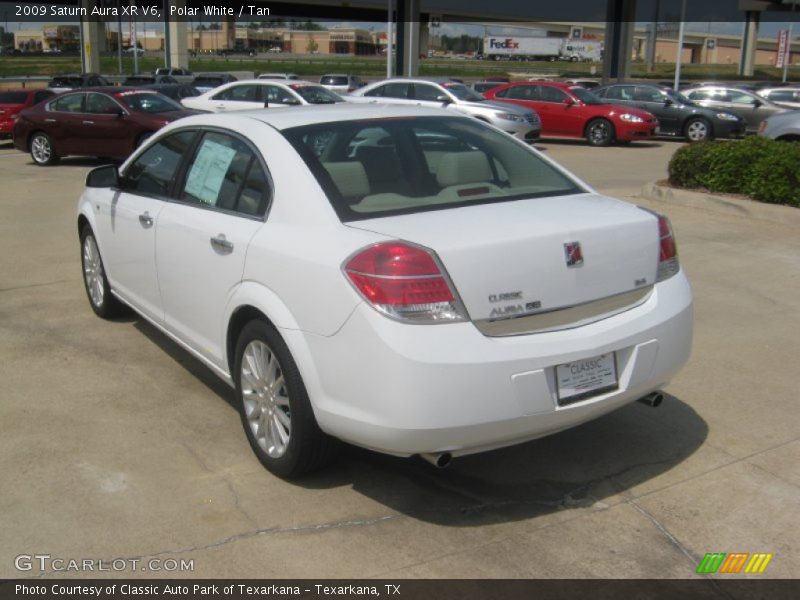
(408, 389)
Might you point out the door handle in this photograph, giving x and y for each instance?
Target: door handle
(88, 122)
(220, 107)
(221, 244)
(49, 120)
(145, 219)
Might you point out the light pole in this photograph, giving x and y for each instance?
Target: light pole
(680, 46)
(389, 36)
(788, 58)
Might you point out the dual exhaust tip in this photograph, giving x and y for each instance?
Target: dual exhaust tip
(442, 460)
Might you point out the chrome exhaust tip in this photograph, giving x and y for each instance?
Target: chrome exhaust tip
(653, 399)
(440, 460)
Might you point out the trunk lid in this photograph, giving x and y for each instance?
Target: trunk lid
(509, 259)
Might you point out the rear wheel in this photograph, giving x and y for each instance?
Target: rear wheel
(42, 151)
(98, 290)
(697, 130)
(599, 132)
(274, 406)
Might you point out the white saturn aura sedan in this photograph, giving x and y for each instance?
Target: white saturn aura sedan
(406, 279)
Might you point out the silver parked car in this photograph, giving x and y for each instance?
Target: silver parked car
(341, 83)
(744, 103)
(520, 122)
(784, 126)
(782, 96)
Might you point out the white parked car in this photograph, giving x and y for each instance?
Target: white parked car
(280, 76)
(258, 93)
(519, 122)
(406, 279)
(341, 83)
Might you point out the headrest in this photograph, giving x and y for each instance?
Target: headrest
(350, 177)
(463, 167)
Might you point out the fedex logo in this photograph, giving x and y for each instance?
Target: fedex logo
(507, 43)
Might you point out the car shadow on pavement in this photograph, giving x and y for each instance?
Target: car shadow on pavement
(579, 468)
(186, 360)
(582, 467)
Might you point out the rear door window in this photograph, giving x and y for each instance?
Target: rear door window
(72, 103)
(225, 173)
(391, 90)
(620, 92)
(101, 104)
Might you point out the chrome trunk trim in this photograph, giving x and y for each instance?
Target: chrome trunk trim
(566, 317)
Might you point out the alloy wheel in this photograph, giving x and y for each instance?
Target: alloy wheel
(93, 271)
(266, 399)
(40, 149)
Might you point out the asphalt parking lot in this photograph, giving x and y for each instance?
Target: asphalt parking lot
(116, 444)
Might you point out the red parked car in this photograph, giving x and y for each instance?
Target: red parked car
(12, 102)
(107, 122)
(572, 111)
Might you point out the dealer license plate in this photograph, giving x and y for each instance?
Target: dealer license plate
(585, 378)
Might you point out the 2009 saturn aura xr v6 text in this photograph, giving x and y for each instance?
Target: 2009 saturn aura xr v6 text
(400, 278)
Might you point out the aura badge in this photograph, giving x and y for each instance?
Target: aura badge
(573, 254)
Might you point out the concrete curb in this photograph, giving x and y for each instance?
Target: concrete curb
(722, 204)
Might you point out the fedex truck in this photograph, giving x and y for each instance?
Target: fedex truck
(521, 48)
(582, 51)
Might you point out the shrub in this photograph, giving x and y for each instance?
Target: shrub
(764, 169)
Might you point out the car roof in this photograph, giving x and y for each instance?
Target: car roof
(109, 89)
(557, 84)
(323, 113)
(437, 80)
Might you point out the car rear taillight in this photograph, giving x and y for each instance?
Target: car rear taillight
(668, 252)
(405, 282)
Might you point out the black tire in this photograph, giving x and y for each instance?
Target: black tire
(697, 129)
(308, 448)
(599, 132)
(42, 151)
(103, 302)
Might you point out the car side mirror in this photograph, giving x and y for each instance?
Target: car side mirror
(757, 103)
(444, 99)
(106, 176)
(568, 101)
(266, 103)
(668, 101)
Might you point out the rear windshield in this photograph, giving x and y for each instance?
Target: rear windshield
(148, 102)
(333, 80)
(13, 97)
(315, 94)
(66, 82)
(382, 167)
